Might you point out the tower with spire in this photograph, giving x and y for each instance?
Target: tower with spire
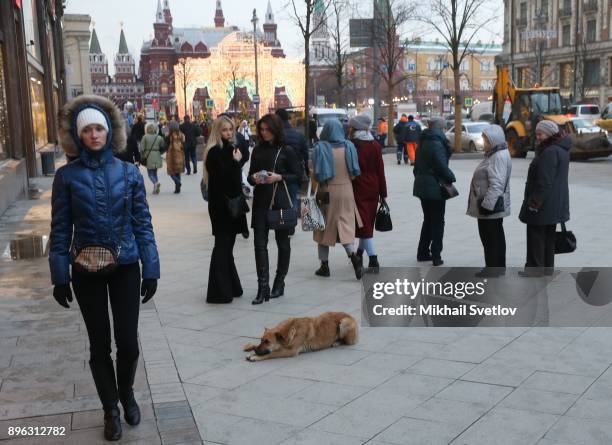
(320, 47)
(124, 63)
(167, 14)
(163, 24)
(97, 61)
(219, 19)
(270, 33)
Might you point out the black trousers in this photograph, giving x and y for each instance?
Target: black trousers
(122, 288)
(541, 246)
(283, 243)
(493, 240)
(190, 156)
(223, 280)
(432, 230)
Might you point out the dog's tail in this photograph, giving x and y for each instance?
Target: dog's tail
(349, 331)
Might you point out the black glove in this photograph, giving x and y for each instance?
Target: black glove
(484, 211)
(63, 294)
(148, 289)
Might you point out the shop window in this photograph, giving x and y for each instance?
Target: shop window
(3, 110)
(39, 114)
(591, 73)
(591, 31)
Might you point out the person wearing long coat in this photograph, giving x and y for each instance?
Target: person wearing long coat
(175, 156)
(271, 155)
(546, 199)
(370, 187)
(151, 146)
(430, 170)
(223, 175)
(99, 200)
(334, 165)
(491, 185)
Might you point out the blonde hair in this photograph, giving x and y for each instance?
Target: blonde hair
(151, 128)
(214, 139)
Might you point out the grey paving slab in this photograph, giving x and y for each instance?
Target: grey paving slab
(475, 392)
(441, 368)
(541, 401)
(408, 431)
(311, 436)
(330, 393)
(450, 412)
(581, 431)
(552, 381)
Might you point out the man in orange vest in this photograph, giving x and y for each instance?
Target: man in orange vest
(412, 135)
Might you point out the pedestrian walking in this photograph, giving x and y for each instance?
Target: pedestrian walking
(399, 134)
(138, 129)
(370, 187)
(489, 199)
(383, 128)
(546, 199)
(100, 217)
(412, 136)
(151, 147)
(175, 156)
(274, 168)
(297, 142)
(223, 176)
(245, 131)
(335, 164)
(430, 171)
(191, 133)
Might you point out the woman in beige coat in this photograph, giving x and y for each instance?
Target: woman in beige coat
(175, 157)
(335, 164)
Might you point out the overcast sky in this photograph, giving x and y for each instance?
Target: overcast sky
(138, 17)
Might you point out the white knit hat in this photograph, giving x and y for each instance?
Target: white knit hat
(90, 116)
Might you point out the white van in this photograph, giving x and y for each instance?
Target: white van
(322, 115)
(585, 111)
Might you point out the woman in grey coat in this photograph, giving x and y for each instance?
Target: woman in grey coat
(489, 199)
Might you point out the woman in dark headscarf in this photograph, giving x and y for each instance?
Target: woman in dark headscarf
(335, 164)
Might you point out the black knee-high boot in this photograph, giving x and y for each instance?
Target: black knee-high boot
(103, 373)
(284, 256)
(126, 370)
(263, 275)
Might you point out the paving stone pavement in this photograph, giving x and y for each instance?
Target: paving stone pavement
(396, 386)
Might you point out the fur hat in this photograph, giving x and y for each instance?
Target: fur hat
(549, 128)
(360, 122)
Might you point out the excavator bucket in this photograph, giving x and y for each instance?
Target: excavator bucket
(587, 146)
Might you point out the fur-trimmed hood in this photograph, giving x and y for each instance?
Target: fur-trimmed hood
(67, 118)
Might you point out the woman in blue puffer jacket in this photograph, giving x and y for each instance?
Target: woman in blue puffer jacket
(100, 200)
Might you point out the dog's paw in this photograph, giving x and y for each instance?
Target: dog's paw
(249, 347)
(252, 358)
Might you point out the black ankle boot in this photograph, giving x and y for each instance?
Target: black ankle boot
(112, 424)
(125, 382)
(263, 293)
(177, 188)
(373, 266)
(103, 373)
(278, 288)
(357, 265)
(323, 271)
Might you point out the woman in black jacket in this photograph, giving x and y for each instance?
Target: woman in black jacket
(223, 176)
(271, 162)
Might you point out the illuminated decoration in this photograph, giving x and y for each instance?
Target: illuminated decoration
(232, 62)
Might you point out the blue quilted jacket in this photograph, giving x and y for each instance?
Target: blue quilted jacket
(88, 208)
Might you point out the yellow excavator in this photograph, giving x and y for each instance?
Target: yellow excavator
(528, 106)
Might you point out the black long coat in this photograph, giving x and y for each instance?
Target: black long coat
(287, 166)
(547, 189)
(224, 181)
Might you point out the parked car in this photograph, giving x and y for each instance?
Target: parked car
(471, 136)
(586, 126)
(585, 111)
(487, 117)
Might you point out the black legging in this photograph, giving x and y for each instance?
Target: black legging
(432, 230)
(283, 243)
(493, 239)
(122, 287)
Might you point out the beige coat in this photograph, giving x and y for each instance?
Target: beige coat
(175, 156)
(341, 213)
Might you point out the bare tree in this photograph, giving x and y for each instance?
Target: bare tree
(389, 18)
(457, 22)
(307, 26)
(185, 75)
(338, 30)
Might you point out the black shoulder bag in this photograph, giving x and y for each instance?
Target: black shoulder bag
(565, 240)
(281, 219)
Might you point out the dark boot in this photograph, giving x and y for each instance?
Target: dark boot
(360, 253)
(278, 288)
(323, 271)
(263, 276)
(373, 266)
(357, 265)
(177, 188)
(103, 373)
(125, 382)
(284, 256)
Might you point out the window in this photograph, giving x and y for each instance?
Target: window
(486, 84)
(433, 85)
(523, 11)
(30, 25)
(464, 85)
(164, 88)
(610, 72)
(465, 65)
(566, 35)
(592, 73)
(3, 110)
(434, 64)
(39, 114)
(567, 5)
(544, 8)
(410, 64)
(486, 65)
(591, 31)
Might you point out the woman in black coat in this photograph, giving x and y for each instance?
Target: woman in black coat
(272, 162)
(546, 201)
(223, 175)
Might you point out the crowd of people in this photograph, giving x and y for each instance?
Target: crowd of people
(101, 226)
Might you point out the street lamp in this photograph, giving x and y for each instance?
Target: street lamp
(254, 21)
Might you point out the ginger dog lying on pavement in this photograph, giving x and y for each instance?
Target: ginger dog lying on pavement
(306, 334)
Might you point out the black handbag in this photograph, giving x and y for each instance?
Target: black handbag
(281, 219)
(383, 223)
(565, 240)
(237, 206)
(448, 190)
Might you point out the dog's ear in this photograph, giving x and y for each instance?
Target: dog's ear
(280, 338)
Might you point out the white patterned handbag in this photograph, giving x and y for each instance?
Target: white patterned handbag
(312, 217)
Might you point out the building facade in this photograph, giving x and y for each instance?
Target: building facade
(160, 56)
(32, 89)
(125, 89)
(76, 54)
(565, 43)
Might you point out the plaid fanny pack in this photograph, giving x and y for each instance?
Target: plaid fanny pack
(97, 259)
